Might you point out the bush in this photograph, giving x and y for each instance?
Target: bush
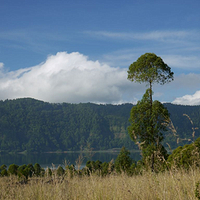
(60, 171)
(4, 172)
(37, 169)
(22, 171)
(12, 169)
(186, 156)
(123, 161)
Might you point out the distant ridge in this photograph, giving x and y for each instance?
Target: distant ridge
(27, 124)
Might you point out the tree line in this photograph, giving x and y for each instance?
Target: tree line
(35, 126)
(184, 158)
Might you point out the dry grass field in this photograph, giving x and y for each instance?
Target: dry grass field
(149, 186)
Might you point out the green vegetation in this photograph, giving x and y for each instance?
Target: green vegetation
(119, 179)
(149, 119)
(183, 158)
(123, 162)
(148, 123)
(35, 126)
(29, 125)
(186, 156)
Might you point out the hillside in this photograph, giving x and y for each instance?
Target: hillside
(33, 125)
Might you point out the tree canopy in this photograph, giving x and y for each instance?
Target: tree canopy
(151, 69)
(32, 125)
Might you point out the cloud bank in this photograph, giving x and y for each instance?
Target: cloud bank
(188, 99)
(66, 77)
(73, 78)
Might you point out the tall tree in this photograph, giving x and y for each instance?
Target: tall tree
(148, 117)
(150, 68)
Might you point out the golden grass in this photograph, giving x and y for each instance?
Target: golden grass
(149, 186)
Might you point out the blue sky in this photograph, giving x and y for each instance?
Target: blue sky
(80, 51)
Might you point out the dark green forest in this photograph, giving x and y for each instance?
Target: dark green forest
(36, 126)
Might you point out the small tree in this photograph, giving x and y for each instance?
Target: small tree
(22, 171)
(12, 169)
(30, 169)
(123, 161)
(37, 169)
(3, 170)
(60, 171)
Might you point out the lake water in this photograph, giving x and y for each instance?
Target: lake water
(53, 160)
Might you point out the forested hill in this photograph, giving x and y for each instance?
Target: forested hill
(33, 125)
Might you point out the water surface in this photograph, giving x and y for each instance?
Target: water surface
(55, 159)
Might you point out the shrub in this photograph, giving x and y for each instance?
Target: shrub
(37, 169)
(12, 169)
(60, 171)
(123, 161)
(186, 156)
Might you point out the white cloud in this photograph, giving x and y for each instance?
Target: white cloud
(188, 99)
(68, 78)
(173, 36)
(72, 77)
(183, 90)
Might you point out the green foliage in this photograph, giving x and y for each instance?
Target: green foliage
(37, 169)
(93, 166)
(41, 127)
(150, 68)
(13, 169)
(30, 170)
(104, 169)
(60, 171)
(123, 161)
(149, 118)
(3, 170)
(2, 167)
(186, 156)
(23, 172)
(98, 168)
(148, 125)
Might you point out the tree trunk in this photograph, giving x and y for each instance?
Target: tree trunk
(152, 128)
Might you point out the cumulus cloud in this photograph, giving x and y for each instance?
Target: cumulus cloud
(183, 90)
(74, 78)
(188, 99)
(67, 77)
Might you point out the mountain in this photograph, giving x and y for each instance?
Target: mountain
(37, 126)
